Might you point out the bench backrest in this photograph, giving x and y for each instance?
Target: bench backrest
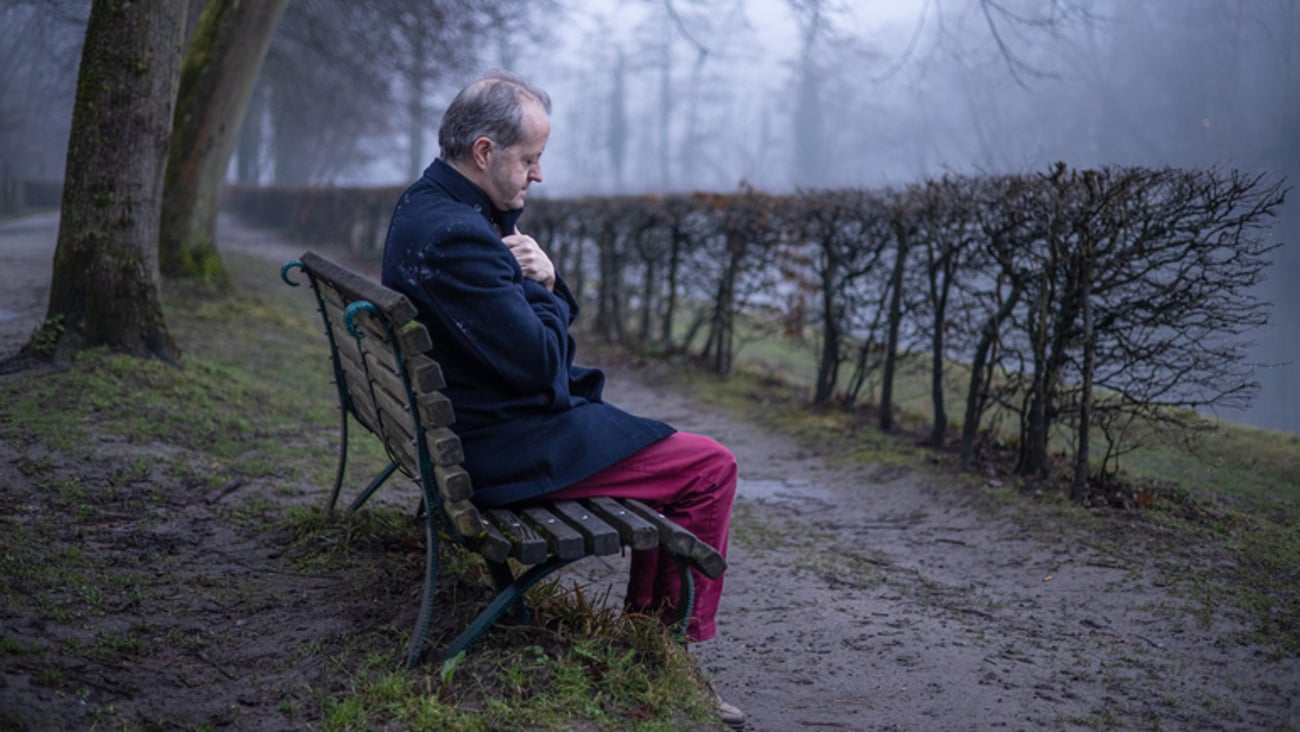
(392, 386)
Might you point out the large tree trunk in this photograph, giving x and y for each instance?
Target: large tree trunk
(104, 287)
(216, 82)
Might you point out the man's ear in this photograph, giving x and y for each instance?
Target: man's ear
(481, 151)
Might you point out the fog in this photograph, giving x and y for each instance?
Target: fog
(680, 95)
(906, 90)
(781, 95)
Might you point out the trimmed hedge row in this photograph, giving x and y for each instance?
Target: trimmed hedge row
(1072, 300)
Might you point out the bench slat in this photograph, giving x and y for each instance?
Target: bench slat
(453, 482)
(493, 545)
(634, 531)
(465, 518)
(357, 287)
(564, 540)
(413, 338)
(363, 407)
(528, 546)
(444, 446)
(435, 408)
(426, 374)
(599, 537)
(680, 542)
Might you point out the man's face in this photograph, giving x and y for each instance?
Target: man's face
(510, 169)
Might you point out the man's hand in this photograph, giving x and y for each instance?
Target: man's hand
(532, 260)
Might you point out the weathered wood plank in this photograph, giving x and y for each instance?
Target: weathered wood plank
(492, 544)
(633, 530)
(444, 446)
(453, 482)
(678, 541)
(348, 348)
(466, 519)
(435, 408)
(426, 374)
(599, 537)
(356, 287)
(564, 540)
(412, 338)
(528, 546)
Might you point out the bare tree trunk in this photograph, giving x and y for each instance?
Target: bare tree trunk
(648, 282)
(670, 307)
(975, 398)
(893, 324)
(104, 286)
(609, 308)
(217, 80)
(719, 348)
(829, 364)
(1079, 484)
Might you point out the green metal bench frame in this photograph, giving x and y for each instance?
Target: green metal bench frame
(390, 385)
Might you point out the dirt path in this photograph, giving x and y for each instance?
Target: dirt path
(864, 598)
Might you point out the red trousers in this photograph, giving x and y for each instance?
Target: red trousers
(692, 480)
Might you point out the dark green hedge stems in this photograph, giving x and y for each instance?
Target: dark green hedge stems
(1069, 301)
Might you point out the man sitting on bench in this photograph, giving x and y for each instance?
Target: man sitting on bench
(531, 422)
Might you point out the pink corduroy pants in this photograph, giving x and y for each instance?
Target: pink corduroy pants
(691, 479)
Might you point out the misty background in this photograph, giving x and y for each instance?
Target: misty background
(657, 96)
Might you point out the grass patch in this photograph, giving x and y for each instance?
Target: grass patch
(581, 665)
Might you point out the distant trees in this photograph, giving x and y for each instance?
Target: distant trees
(39, 50)
(343, 80)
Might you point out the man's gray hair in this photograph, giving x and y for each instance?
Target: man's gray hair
(490, 106)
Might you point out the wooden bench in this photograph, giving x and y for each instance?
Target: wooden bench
(390, 384)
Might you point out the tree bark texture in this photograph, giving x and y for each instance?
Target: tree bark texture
(217, 80)
(104, 287)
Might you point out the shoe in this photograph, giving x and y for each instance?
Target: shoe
(730, 715)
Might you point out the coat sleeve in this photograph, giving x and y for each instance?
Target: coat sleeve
(515, 327)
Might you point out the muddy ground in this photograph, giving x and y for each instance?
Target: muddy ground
(859, 597)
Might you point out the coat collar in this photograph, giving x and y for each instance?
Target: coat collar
(443, 175)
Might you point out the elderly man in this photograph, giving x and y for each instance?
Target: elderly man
(500, 317)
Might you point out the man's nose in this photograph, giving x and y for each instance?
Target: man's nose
(535, 174)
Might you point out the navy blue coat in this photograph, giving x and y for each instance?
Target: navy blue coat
(531, 421)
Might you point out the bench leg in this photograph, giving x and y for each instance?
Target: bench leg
(505, 599)
(685, 603)
(374, 486)
(425, 614)
(343, 460)
(502, 577)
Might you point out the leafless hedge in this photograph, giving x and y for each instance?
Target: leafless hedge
(1073, 302)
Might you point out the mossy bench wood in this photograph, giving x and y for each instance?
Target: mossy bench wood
(389, 382)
